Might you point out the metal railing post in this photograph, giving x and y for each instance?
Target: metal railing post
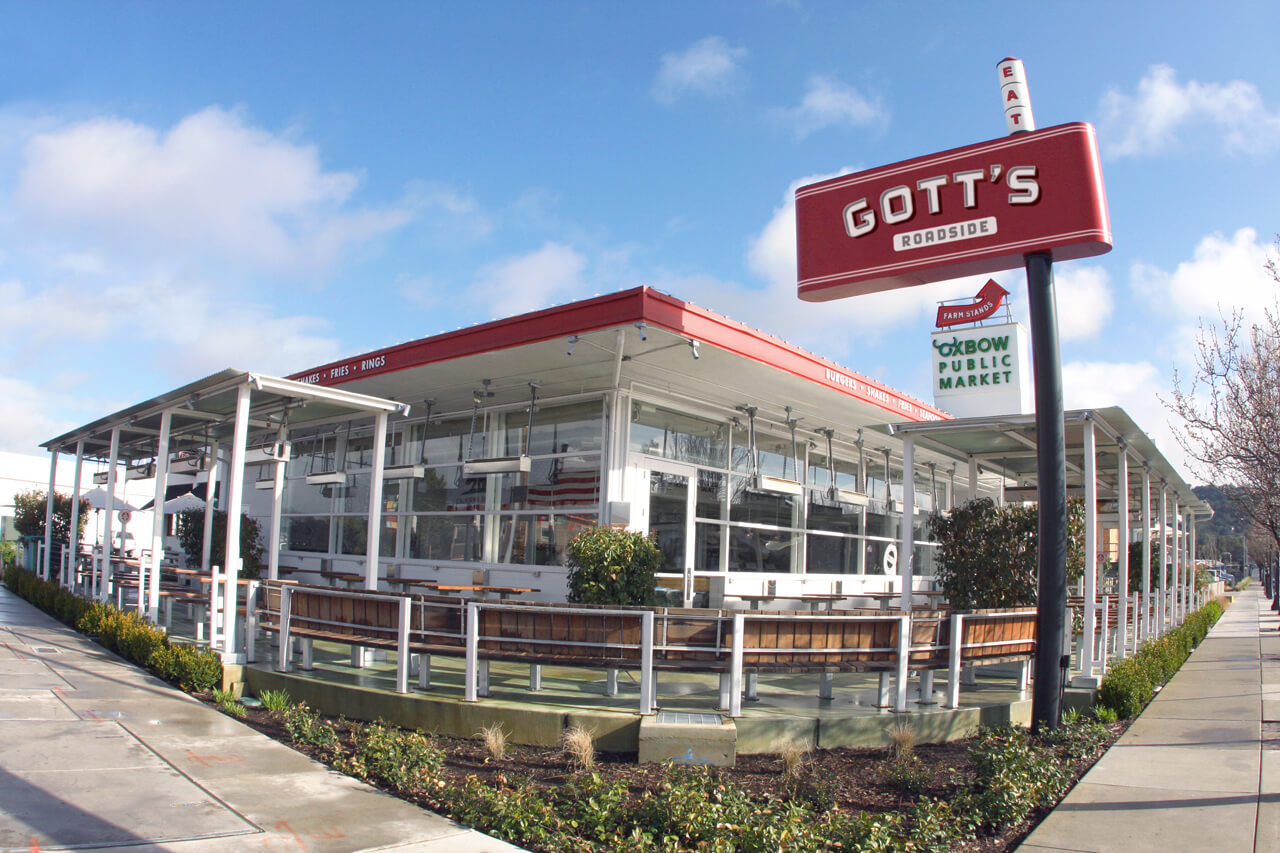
(735, 665)
(402, 647)
(953, 661)
(904, 659)
(286, 601)
(647, 698)
(473, 650)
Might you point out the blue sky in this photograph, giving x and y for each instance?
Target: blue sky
(185, 187)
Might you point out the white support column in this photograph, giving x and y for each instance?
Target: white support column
(157, 526)
(1164, 557)
(210, 509)
(73, 539)
(906, 545)
(273, 534)
(104, 574)
(46, 564)
(235, 495)
(1179, 565)
(1122, 548)
(973, 478)
(1145, 622)
(1090, 549)
(1191, 523)
(374, 535)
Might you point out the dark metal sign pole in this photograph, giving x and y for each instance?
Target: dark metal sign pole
(1051, 459)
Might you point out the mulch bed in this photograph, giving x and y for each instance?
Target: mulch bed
(853, 778)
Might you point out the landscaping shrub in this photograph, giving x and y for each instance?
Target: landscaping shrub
(1131, 683)
(274, 700)
(305, 726)
(1013, 776)
(611, 566)
(398, 758)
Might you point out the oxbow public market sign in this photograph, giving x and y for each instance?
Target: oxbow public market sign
(983, 370)
(967, 211)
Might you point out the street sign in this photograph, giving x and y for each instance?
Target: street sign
(968, 211)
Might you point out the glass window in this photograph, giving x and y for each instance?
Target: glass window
(832, 554)
(301, 498)
(446, 537)
(306, 533)
(710, 499)
(758, 507)
(672, 435)
(539, 540)
(708, 542)
(557, 482)
(754, 550)
(774, 453)
(446, 490)
(846, 472)
(560, 429)
(352, 538)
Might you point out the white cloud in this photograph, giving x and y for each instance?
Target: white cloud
(1223, 274)
(707, 67)
(828, 102)
(1134, 387)
(25, 421)
(1151, 119)
(535, 280)
(211, 185)
(1084, 301)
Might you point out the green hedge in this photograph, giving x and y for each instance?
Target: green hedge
(1131, 683)
(188, 667)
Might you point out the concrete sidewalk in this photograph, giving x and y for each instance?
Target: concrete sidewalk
(96, 753)
(1200, 768)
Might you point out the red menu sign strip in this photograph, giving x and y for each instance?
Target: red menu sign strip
(966, 211)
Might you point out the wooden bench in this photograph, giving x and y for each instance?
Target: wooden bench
(730, 643)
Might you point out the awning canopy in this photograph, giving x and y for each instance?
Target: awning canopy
(1006, 444)
(204, 411)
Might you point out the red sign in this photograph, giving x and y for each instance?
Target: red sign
(988, 300)
(967, 211)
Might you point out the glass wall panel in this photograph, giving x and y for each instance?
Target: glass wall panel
(352, 538)
(707, 545)
(760, 507)
(306, 533)
(832, 554)
(539, 540)
(711, 494)
(301, 498)
(446, 537)
(446, 490)
(754, 550)
(846, 472)
(774, 453)
(672, 435)
(560, 429)
(563, 482)
(668, 501)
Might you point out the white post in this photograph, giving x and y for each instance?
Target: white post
(1146, 552)
(235, 494)
(286, 608)
(904, 659)
(105, 574)
(1090, 548)
(1122, 549)
(973, 478)
(157, 526)
(906, 544)
(1191, 521)
(953, 661)
(45, 564)
(73, 538)
(735, 664)
(473, 653)
(1180, 564)
(1164, 557)
(210, 509)
(402, 647)
(374, 535)
(273, 541)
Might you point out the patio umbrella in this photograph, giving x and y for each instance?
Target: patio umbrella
(182, 503)
(98, 500)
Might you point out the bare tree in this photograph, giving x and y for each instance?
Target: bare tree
(1231, 410)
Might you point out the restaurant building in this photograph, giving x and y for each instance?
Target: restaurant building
(757, 465)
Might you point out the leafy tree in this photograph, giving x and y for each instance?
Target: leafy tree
(191, 537)
(28, 514)
(611, 566)
(1135, 566)
(987, 554)
(1231, 410)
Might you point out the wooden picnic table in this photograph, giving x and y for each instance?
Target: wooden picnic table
(815, 600)
(503, 592)
(886, 599)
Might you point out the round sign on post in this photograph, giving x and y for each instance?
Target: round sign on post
(124, 516)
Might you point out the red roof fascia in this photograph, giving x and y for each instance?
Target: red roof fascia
(615, 309)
